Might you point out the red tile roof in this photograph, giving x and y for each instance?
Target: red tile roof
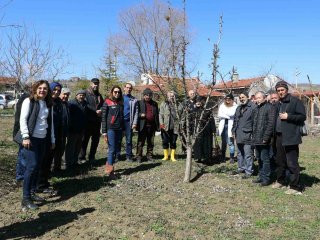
(241, 83)
(164, 81)
(7, 80)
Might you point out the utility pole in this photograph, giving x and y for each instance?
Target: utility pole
(297, 73)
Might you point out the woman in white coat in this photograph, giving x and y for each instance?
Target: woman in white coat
(226, 114)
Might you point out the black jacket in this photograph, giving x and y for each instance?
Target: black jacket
(142, 110)
(290, 128)
(263, 124)
(242, 124)
(57, 116)
(95, 103)
(16, 126)
(112, 116)
(78, 116)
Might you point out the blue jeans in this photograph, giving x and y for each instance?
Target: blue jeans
(263, 156)
(128, 134)
(245, 158)
(33, 156)
(21, 164)
(227, 140)
(114, 141)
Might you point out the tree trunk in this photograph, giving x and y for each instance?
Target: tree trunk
(187, 175)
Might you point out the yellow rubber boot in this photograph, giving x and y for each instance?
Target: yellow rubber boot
(173, 152)
(165, 154)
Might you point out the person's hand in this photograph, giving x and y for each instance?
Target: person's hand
(134, 126)
(99, 112)
(162, 126)
(26, 143)
(105, 138)
(53, 146)
(283, 116)
(142, 115)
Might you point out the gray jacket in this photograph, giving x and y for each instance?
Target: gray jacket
(243, 123)
(168, 116)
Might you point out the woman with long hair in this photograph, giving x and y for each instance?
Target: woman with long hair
(35, 125)
(112, 125)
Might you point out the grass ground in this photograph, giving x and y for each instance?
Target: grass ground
(150, 201)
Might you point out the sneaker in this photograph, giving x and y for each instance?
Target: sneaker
(277, 185)
(292, 191)
(27, 204)
(37, 198)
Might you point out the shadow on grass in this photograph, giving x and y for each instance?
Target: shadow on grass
(71, 187)
(308, 180)
(45, 222)
(141, 167)
(81, 169)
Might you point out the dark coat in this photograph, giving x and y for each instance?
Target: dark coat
(65, 117)
(142, 110)
(242, 124)
(78, 116)
(112, 116)
(95, 103)
(57, 115)
(16, 126)
(202, 149)
(263, 124)
(290, 128)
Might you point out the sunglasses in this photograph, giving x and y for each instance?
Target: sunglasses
(116, 91)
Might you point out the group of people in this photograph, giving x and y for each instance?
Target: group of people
(267, 127)
(48, 126)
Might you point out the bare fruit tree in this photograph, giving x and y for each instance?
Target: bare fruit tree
(143, 43)
(26, 57)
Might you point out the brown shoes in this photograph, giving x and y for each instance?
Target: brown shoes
(109, 169)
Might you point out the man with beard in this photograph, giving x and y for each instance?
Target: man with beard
(242, 132)
(92, 130)
(263, 125)
(292, 115)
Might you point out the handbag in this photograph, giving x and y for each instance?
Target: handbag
(304, 131)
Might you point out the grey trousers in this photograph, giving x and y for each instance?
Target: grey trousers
(245, 158)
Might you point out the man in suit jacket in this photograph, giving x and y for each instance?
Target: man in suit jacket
(148, 123)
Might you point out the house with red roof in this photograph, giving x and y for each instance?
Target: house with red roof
(162, 84)
(7, 84)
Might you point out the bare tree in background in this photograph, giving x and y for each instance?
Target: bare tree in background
(143, 44)
(27, 57)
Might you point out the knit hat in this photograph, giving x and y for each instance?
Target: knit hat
(147, 91)
(283, 84)
(95, 80)
(229, 96)
(65, 90)
(53, 85)
(81, 91)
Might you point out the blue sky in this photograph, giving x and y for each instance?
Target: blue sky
(257, 34)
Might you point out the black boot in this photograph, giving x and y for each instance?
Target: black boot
(28, 204)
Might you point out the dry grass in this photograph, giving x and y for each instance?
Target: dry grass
(150, 201)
